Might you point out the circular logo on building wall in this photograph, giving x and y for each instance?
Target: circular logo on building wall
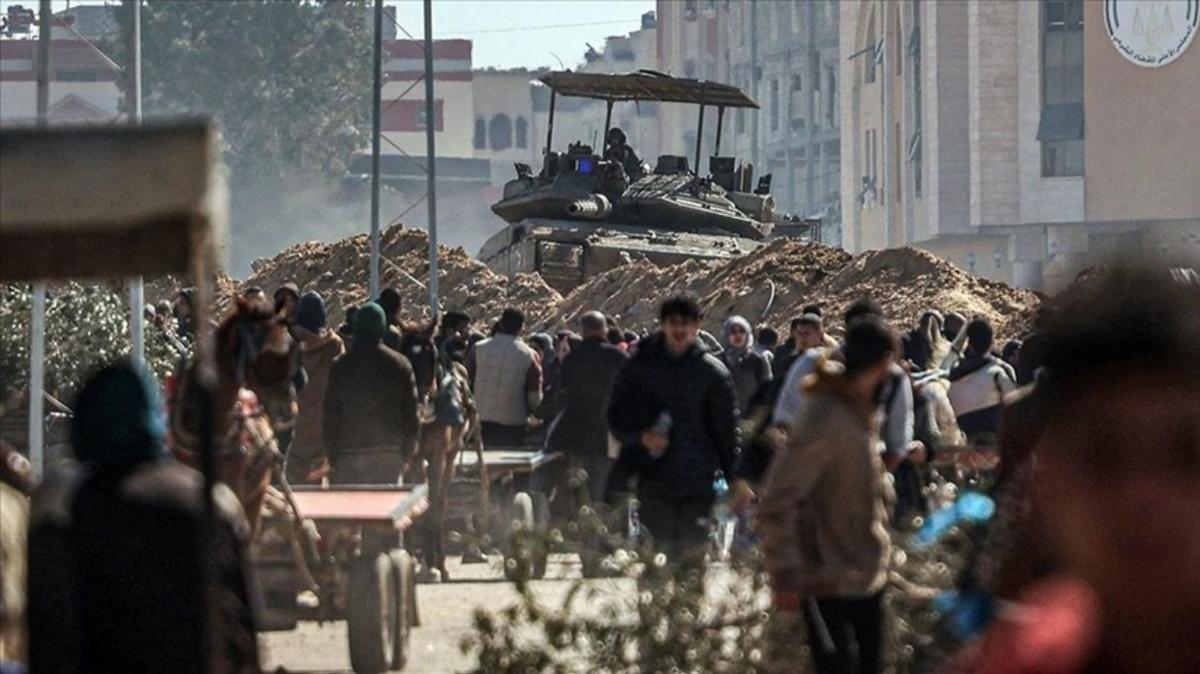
(1151, 33)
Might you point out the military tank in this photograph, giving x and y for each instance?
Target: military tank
(586, 211)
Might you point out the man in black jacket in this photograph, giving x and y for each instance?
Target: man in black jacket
(369, 421)
(584, 381)
(673, 409)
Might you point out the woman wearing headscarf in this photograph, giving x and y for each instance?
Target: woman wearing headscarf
(749, 368)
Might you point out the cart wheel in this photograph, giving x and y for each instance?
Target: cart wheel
(403, 557)
(406, 586)
(592, 563)
(373, 614)
(524, 554)
(541, 510)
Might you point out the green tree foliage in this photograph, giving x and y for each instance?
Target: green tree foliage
(288, 83)
(87, 326)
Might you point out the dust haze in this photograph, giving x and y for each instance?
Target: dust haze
(267, 215)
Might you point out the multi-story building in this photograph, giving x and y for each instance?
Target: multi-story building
(402, 122)
(506, 129)
(84, 83)
(692, 43)
(1020, 139)
(784, 54)
(584, 119)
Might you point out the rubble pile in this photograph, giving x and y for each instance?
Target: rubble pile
(339, 272)
(773, 284)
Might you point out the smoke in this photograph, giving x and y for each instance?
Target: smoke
(270, 213)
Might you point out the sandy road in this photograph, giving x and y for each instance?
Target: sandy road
(446, 610)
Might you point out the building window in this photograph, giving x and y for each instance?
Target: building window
(774, 105)
(871, 58)
(1062, 121)
(500, 132)
(480, 139)
(522, 133)
(689, 9)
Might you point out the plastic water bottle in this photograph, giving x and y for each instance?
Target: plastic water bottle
(722, 516)
(969, 507)
(662, 426)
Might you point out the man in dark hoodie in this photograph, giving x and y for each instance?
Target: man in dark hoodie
(319, 347)
(585, 380)
(389, 301)
(674, 409)
(978, 385)
(125, 564)
(370, 408)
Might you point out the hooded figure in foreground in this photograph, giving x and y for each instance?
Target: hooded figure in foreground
(124, 565)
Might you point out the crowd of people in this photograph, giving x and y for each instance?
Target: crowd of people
(826, 437)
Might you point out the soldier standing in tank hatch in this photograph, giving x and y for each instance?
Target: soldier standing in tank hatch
(618, 150)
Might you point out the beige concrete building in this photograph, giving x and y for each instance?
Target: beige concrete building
(1015, 138)
(693, 43)
(785, 54)
(582, 119)
(506, 129)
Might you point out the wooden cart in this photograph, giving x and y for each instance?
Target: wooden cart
(337, 554)
(493, 491)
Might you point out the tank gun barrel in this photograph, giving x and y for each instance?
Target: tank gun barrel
(593, 206)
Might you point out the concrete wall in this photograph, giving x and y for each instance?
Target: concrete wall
(1142, 144)
(992, 76)
(947, 128)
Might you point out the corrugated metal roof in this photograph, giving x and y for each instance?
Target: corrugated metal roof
(645, 85)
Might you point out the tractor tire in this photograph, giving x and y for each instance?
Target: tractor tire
(372, 614)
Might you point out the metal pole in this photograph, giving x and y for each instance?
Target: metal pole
(376, 95)
(607, 123)
(550, 123)
(431, 173)
(37, 322)
(720, 119)
(137, 289)
(699, 138)
(755, 139)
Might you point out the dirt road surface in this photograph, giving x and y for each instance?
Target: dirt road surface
(446, 610)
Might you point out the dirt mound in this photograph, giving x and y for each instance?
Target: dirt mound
(909, 281)
(773, 284)
(770, 285)
(339, 271)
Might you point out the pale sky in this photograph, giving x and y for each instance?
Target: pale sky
(511, 33)
(527, 33)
